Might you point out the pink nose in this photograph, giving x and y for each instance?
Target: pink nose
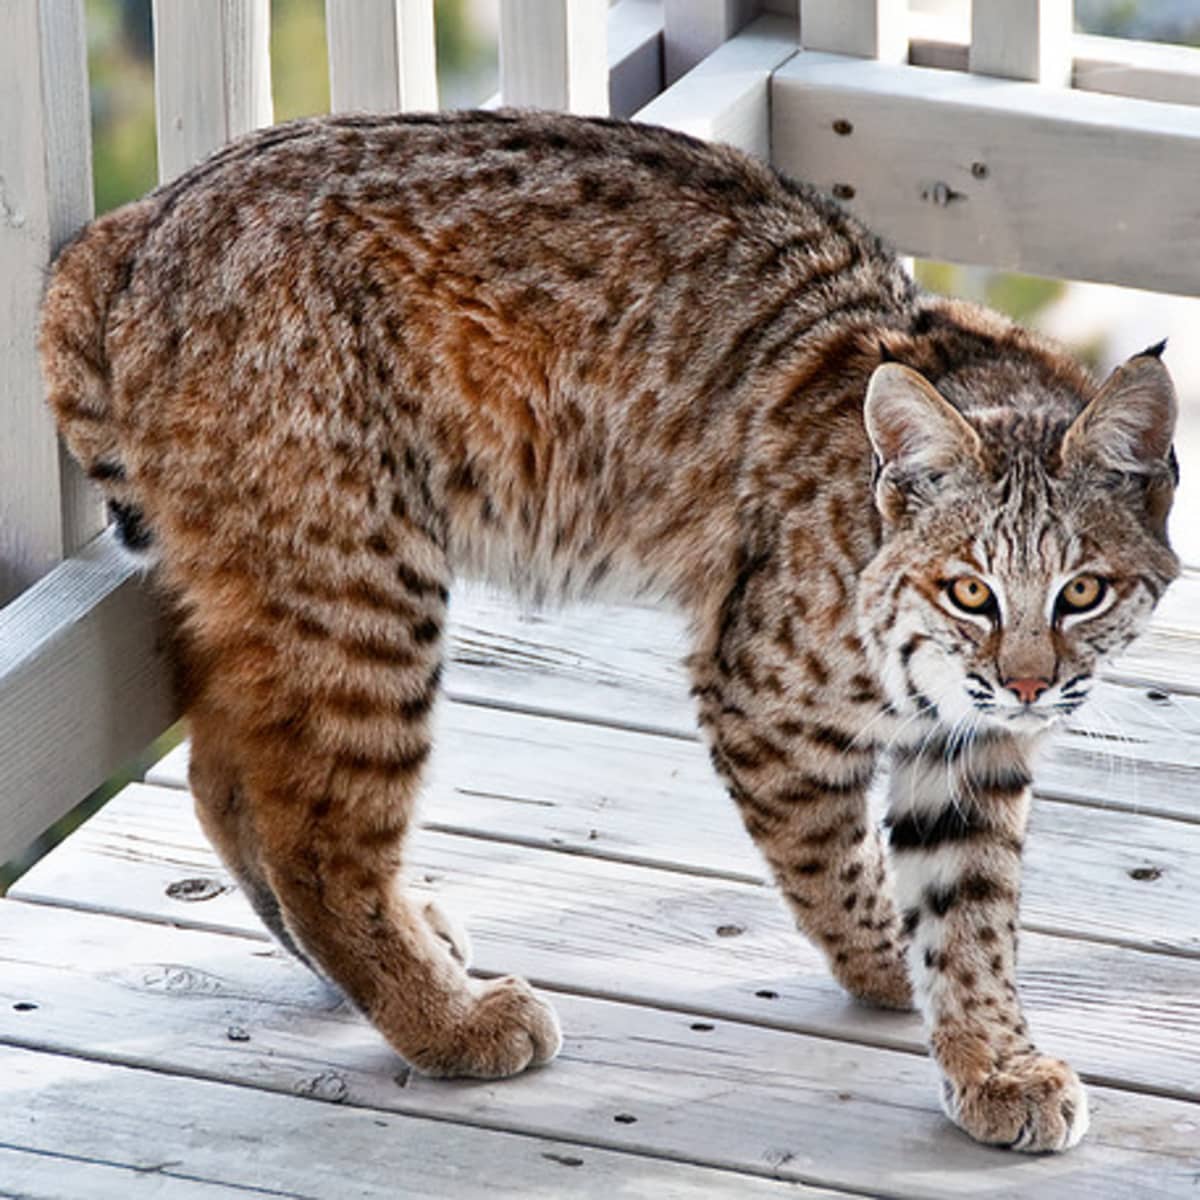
(1027, 690)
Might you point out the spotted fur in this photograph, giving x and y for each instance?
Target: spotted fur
(346, 360)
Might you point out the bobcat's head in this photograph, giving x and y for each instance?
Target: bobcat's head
(1024, 539)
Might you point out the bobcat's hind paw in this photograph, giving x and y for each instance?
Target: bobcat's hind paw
(1036, 1105)
(507, 1029)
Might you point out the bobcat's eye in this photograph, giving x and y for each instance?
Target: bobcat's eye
(970, 594)
(1083, 592)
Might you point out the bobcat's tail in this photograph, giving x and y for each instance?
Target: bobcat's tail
(90, 273)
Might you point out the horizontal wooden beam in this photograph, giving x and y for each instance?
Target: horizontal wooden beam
(727, 97)
(1111, 66)
(85, 687)
(980, 170)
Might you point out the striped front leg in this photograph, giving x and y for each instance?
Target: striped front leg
(957, 821)
(801, 787)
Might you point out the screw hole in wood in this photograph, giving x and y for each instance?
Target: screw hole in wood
(1145, 874)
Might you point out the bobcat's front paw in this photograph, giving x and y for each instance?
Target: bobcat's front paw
(1035, 1104)
(506, 1029)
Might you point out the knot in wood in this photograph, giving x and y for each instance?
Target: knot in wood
(192, 890)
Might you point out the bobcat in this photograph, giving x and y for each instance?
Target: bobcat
(347, 359)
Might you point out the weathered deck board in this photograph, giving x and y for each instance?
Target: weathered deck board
(754, 1100)
(654, 937)
(71, 1128)
(1129, 747)
(638, 798)
(594, 851)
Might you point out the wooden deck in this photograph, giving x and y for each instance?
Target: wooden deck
(153, 1042)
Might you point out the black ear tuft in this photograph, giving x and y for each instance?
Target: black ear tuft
(1155, 351)
(885, 354)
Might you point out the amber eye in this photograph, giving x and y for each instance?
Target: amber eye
(971, 594)
(1082, 593)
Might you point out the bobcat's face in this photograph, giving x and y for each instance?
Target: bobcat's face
(1003, 616)
(1006, 578)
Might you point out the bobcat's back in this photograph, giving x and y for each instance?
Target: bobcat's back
(550, 342)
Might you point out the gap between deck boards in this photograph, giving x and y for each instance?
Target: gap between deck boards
(641, 935)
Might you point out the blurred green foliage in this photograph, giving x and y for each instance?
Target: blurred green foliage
(1022, 297)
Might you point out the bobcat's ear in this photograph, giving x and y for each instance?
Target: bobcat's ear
(912, 427)
(917, 436)
(1130, 422)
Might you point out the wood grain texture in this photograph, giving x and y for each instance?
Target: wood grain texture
(1023, 39)
(381, 55)
(553, 55)
(1130, 747)
(762, 1102)
(73, 1128)
(693, 29)
(1142, 70)
(635, 49)
(1114, 66)
(212, 77)
(1058, 184)
(84, 685)
(664, 938)
(725, 97)
(46, 508)
(628, 797)
(865, 28)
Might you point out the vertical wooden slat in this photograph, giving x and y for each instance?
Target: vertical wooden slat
(212, 76)
(635, 73)
(381, 55)
(46, 508)
(553, 54)
(864, 28)
(693, 29)
(1023, 39)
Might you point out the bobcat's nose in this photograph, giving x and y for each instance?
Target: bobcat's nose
(1027, 690)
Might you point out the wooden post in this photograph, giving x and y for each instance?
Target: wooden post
(47, 510)
(212, 76)
(863, 28)
(1023, 39)
(553, 54)
(381, 55)
(693, 29)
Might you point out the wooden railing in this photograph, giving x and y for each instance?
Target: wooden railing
(962, 144)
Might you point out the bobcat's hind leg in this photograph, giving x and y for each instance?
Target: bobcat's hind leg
(227, 821)
(324, 681)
